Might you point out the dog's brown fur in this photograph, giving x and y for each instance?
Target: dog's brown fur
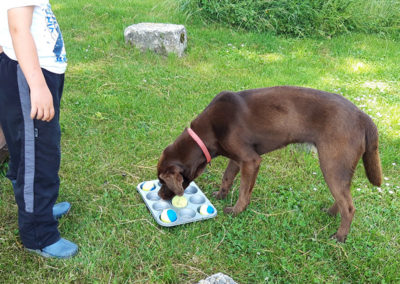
(244, 125)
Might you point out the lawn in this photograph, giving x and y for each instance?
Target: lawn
(121, 108)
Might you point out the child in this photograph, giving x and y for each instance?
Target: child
(32, 67)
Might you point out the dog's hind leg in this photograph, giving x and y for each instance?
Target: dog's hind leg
(338, 170)
(227, 180)
(346, 209)
(248, 170)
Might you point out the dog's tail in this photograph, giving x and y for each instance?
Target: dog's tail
(372, 162)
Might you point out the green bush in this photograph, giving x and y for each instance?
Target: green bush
(300, 17)
(377, 16)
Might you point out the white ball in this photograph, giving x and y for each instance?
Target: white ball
(206, 209)
(168, 216)
(148, 186)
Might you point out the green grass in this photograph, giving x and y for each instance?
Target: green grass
(121, 108)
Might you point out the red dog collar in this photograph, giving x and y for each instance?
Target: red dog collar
(199, 142)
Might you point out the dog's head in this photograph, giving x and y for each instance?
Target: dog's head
(178, 166)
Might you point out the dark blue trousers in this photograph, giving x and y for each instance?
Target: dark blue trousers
(34, 148)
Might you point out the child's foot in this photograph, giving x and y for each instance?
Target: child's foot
(60, 249)
(61, 209)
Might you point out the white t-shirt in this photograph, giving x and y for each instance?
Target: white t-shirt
(45, 31)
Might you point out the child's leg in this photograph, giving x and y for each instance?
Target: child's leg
(34, 153)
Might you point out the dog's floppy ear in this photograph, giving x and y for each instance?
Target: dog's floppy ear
(173, 179)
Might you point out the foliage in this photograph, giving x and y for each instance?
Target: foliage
(301, 18)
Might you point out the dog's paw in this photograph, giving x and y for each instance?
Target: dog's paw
(328, 211)
(219, 194)
(230, 210)
(339, 238)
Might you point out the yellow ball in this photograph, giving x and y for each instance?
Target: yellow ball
(179, 201)
(148, 186)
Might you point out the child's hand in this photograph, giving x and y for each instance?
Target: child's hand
(42, 107)
(19, 22)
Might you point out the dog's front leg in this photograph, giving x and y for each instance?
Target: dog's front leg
(248, 170)
(227, 180)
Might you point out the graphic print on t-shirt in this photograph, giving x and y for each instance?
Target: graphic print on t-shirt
(56, 35)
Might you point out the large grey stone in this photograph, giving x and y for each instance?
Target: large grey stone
(161, 38)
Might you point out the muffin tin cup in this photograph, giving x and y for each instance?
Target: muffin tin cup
(188, 214)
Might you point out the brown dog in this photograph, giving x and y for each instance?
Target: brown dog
(244, 125)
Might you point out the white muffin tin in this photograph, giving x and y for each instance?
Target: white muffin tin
(188, 214)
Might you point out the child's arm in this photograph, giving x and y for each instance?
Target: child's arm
(1, 49)
(19, 22)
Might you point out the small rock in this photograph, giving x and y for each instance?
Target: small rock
(218, 278)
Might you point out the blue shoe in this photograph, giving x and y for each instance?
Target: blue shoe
(61, 249)
(61, 209)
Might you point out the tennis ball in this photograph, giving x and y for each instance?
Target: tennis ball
(168, 216)
(206, 209)
(179, 201)
(148, 186)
